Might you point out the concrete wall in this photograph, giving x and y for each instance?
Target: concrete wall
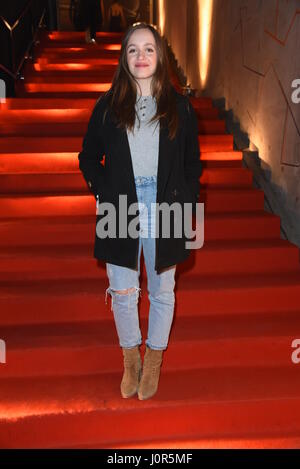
(176, 29)
(254, 60)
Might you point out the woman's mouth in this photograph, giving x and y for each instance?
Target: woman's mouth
(142, 65)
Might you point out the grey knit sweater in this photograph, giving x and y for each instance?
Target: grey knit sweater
(144, 140)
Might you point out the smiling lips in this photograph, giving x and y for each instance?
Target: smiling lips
(141, 65)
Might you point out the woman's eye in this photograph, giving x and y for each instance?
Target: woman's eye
(134, 51)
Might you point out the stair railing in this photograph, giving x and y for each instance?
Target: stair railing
(21, 35)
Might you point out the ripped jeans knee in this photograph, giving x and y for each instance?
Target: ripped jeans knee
(128, 292)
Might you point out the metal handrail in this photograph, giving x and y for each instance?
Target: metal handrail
(2, 67)
(10, 27)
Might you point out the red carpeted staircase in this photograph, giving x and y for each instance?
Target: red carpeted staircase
(227, 379)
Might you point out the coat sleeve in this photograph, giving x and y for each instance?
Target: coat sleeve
(193, 165)
(92, 151)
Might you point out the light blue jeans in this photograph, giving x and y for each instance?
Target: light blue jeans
(160, 286)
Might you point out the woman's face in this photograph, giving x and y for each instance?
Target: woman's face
(141, 54)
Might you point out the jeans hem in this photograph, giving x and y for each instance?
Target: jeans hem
(154, 347)
(130, 346)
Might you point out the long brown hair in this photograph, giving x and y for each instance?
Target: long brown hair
(123, 92)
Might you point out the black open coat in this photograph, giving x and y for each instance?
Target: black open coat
(179, 169)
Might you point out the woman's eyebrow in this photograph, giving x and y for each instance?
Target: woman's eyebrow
(146, 44)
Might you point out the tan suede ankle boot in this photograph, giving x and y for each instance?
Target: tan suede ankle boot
(132, 371)
(150, 375)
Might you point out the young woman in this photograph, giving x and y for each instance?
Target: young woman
(148, 133)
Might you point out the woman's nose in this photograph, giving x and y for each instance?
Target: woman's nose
(141, 54)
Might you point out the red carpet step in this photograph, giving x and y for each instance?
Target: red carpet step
(214, 258)
(27, 144)
(35, 182)
(48, 301)
(82, 348)
(217, 200)
(216, 403)
(53, 230)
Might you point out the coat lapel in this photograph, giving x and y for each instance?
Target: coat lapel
(125, 148)
(165, 161)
